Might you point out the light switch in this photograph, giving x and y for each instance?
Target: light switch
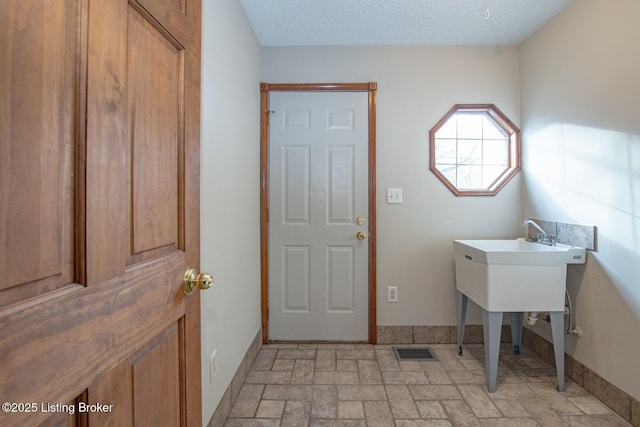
(394, 195)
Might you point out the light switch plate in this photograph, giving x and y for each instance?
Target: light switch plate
(394, 195)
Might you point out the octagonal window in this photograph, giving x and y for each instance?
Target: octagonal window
(474, 150)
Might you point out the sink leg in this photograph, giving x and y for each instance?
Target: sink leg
(492, 328)
(461, 314)
(557, 331)
(516, 330)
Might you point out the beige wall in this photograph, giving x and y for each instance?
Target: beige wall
(230, 226)
(416, 87)
(580, 109)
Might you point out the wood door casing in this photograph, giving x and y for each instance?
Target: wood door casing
(99, 168)
(265, 89)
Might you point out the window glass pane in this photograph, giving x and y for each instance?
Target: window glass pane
(490, 130)
(473, 149)
(449, 172)
(494, 152)
(490, 174)
(469, 152)
(445, 151)
(470, 125)
(448, 129)
(469, 177)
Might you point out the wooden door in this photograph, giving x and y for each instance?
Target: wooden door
(99, 212)
(318, 204)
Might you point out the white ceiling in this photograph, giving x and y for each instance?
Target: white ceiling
(398, 22)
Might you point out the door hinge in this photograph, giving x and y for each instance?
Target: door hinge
(269, 112)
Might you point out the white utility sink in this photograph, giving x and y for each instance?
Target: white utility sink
(518, 252)
(514, 275)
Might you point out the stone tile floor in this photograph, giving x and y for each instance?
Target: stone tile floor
(364, 385)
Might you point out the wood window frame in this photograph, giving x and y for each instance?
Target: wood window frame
(265, 90)
(500, 119)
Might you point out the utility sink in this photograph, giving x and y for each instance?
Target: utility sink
(514, 275)
(518, 252)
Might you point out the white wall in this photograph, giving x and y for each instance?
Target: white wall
(230, 222)
(416, 87)
(580, 110)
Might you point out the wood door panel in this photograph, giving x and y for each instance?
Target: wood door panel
(37, 154)
(156, 380)
(62, 418)
(155, 137)
(94, 328)
(114, 386)
(105, 206)
(169, 14)
(147, 385)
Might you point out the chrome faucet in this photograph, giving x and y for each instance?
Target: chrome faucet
(543, 235)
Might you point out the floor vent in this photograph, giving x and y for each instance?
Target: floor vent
(414, 353)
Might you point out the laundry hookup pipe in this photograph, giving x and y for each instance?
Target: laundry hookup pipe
(532, 317)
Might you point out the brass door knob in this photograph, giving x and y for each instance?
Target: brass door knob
(361, 235)
(193, 280)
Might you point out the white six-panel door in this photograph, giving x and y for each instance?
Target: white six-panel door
(318, 188)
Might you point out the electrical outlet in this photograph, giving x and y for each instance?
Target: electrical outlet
(213, 365)
(392, 294)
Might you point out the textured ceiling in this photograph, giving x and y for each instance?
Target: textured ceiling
(398, 22)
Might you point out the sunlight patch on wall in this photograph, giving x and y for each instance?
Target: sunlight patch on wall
(591, 176)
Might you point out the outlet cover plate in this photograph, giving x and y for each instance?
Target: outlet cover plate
(392, 294)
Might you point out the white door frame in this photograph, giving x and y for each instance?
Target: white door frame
(265, 89)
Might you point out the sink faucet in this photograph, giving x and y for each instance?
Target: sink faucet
(543, 234)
